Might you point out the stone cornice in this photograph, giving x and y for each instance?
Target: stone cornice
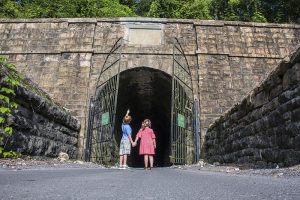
(196, 22)
(246, 24)
(198, 52)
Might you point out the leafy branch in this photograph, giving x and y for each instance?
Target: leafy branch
(9, 79)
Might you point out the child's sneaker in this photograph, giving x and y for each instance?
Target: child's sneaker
(121, 167)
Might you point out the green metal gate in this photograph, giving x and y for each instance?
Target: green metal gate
(182, 115)
(100, 142)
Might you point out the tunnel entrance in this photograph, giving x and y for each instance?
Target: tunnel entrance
(147, 93)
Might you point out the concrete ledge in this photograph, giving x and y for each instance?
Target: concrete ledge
(196, 22)
(240, 23)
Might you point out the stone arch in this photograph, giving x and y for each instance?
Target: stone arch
(147, 93)
(145, 85)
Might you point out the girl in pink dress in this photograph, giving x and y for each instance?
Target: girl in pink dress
(147, 144)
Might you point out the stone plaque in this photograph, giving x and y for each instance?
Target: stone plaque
(181, 120)
(144, 36)
(105, 119)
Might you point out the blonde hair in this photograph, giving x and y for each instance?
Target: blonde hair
(147, 123)
(127, 119)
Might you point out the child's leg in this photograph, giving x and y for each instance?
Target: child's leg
(151, 161)
(125, 160)
(121, 160)
(146, 161)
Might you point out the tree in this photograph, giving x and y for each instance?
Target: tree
(280, 11)
(129, 3)
(191, 9)
(63, 9)
(237, 10)
(47, 8)
(217, 9)
(164, 9)
(197, 9)
(9, 8)
(232, 11)
(142, 7)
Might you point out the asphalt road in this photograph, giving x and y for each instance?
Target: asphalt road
(159, 183)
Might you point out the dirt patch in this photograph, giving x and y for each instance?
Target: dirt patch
(289, 172)
(29, 162)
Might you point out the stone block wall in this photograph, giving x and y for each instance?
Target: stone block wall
(41, 127)
(65, 56)
(262, 130)
(56, 54)
(234, 57)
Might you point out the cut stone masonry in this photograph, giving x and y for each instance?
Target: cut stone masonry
(65, 56)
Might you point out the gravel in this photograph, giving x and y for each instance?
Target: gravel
(28, 162)
(288, 172)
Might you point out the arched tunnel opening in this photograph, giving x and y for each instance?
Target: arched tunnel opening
(147, 93)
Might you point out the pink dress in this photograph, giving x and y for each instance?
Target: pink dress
(146, 144)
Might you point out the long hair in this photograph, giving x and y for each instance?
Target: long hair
(146, 123)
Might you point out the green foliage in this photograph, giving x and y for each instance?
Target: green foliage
(240, 10)
(8, 130)
(4, 110)
(129, 3)
(9, 9)
(278, 11)
(9, 79)
(7, 91)
(10, 154)
(142, 7)
(113, 9)
(258, 17)
(63, 9)
(188, 9)
(164, 9)
(197, 9)
(4, 98)
(281, 11)
(233, 10)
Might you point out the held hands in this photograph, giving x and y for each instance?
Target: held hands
(133, 144)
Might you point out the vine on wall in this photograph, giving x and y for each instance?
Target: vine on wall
(9, 80)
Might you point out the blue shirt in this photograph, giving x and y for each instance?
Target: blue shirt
(126, 131)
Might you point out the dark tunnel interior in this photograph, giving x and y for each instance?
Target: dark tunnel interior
(147, 93)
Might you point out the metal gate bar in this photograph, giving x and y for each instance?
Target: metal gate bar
(100, 144)
(182, 110)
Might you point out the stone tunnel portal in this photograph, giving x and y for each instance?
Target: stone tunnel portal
(147, 93)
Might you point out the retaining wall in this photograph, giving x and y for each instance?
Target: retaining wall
(262, 130)
(41, 127)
